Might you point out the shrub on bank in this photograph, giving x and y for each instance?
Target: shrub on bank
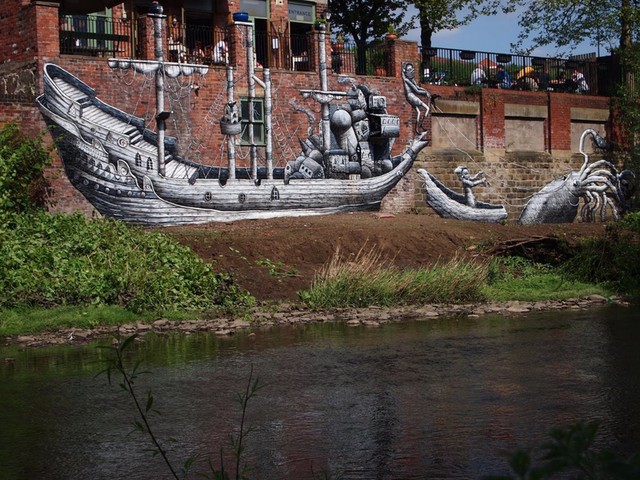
(47, 261)
(517, 278)
(368, 280)
(611, 260)
(22, 162)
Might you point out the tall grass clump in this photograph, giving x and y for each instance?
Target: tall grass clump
(53, 260)
(368, 280)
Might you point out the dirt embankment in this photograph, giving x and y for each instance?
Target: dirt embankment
(273, 259)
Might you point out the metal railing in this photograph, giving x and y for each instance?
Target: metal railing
(347, 58)
(197, 44)
(286, 52)
(94, 35)
(99, 35)
(446, 66)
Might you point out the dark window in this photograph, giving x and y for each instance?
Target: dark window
(258, 121)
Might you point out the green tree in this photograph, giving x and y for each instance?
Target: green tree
(366, 20)
(613, 24)
(567, 23)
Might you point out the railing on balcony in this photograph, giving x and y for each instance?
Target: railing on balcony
(286, 52)
(448, 66)
(197, 44)
(346, 58)
(94, 35)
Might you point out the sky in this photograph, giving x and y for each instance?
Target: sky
(488, 34)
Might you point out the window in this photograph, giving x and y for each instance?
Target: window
(258, 121)
(301, 12)
(255, 8)
(301, 18)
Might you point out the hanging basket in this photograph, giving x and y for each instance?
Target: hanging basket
(241, 17)
(467, 55)
(230, 128)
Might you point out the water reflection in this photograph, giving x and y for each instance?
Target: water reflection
(433, 399)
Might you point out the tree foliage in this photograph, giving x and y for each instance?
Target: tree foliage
(22, 162)
(53, 260)
(366, 20)
(564, 24)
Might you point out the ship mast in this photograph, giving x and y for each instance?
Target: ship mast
(323, 96)
(155, 12)
(252, 79)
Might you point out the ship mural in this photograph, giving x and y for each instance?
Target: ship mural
(132, 173)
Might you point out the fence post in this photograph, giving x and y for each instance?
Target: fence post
(399, 51)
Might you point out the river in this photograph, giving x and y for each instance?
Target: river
(445, 398)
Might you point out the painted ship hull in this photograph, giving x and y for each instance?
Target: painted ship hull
(111, 158)
(449, 204)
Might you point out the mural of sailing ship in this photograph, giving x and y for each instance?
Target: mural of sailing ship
(130, 172)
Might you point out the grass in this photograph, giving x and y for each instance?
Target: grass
(515, 278)
(27, 321)
(369, 280)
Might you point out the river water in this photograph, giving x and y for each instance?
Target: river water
(444, 398)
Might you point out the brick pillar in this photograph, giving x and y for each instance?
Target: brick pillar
(145, 38)
(314, 54)
(237, 48)
(492, 118)
(399, 51)
(560, 122)
(47, 27)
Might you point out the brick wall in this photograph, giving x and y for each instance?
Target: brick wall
(521, 140)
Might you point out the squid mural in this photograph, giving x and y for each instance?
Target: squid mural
(598, 184)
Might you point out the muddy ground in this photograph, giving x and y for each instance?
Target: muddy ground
(273, 259)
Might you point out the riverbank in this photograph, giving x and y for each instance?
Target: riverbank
(275, 259)
(291, 315)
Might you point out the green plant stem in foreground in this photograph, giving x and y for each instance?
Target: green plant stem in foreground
(571, 453)
(117, 365)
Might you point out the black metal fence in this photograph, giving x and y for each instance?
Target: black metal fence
(287, 52)
(579, 74)
(94, 35)
(347, 58)
(197, 44)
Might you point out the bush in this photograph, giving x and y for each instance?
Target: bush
(517, 278)
(69, 260)
(571, 452)
(611, 260)
(22, 162)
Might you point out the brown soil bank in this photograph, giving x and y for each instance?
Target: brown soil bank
(273, 259)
